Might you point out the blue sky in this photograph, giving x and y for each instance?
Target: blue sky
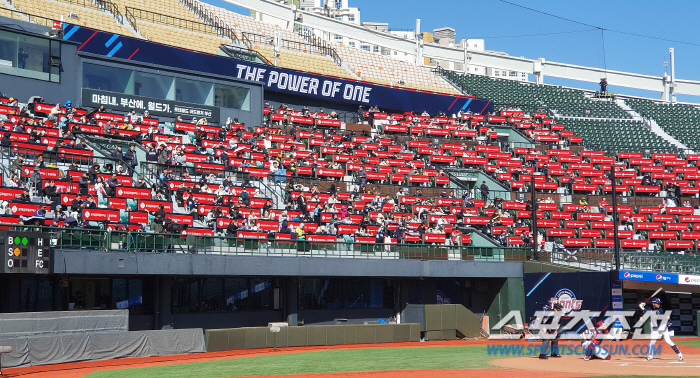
(503, 26)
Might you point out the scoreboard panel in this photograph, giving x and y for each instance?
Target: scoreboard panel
(26, 252)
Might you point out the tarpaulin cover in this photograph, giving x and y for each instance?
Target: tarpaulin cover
(101, 346)
(54, 323)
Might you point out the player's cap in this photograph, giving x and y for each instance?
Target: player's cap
(656, 300)
(557, 306)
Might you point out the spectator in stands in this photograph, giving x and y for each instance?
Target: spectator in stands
(112, 184)
(40, 212)
(132, 117)
(81, 146)
(58, 214)
(117, 154)
(629, 223)
(6, 141)
(139, 183)
(603, 206)
(191, 207)
(301, 234)
(39, 161)
(24, 197)
(90, 203)
(55, 113)
(130, 158)
(16, 166)
(106, 168)
(100, 189)
(36, 181)
(93, 171)
(151, 154)
(14, 181)
(678, 192)
(484, 189)
(670, 202)
(50, 191)
(84, 183)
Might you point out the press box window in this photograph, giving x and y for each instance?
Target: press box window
(196, 92)
(156, 86)
(108, 78)
(27, 56)
(228, 96)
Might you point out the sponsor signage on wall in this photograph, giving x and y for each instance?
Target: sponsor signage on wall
(157, 107)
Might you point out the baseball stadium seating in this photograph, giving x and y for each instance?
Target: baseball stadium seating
(679, 120)
(401, 182)
(408, 193)
(565, 102)
(172, 23)
(365, 65)
(86, 13)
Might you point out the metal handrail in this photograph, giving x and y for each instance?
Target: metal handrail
(320, 44)
(134, 241)
(250, 47)
(148, 242)
(39, 20)
(133, 14)
(211, 19)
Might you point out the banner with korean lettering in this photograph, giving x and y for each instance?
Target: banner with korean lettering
(125, 102)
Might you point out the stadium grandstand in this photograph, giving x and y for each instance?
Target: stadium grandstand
(203, 169)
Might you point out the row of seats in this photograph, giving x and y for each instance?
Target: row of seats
(89, 15)
(304, 62)
(337, 158)
(366, 65)
(678, 120)
(616, 135)
(159, 33)
(528, 96)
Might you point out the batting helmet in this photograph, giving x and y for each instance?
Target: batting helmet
(656, 300)
(557, 306)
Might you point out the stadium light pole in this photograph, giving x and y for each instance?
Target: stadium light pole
(533, 214)
(616, 238)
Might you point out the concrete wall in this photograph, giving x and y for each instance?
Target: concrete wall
(125, 263)
(261, 337)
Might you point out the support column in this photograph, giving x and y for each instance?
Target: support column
(291, 301)
(538, 70)
(164, 316)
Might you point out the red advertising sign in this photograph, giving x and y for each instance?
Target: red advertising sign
(327, 122)
(129, 192)
(24, 209)
(149, 205)
(101, 215)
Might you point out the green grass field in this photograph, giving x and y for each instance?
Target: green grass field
(692, 343)
(331, 361)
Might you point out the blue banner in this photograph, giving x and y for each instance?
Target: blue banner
(274, 78)
(631, 275)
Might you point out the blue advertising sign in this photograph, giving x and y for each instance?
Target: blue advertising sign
(631, 275)
(273, 78)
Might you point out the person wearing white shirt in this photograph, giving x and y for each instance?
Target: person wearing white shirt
(670, 202)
